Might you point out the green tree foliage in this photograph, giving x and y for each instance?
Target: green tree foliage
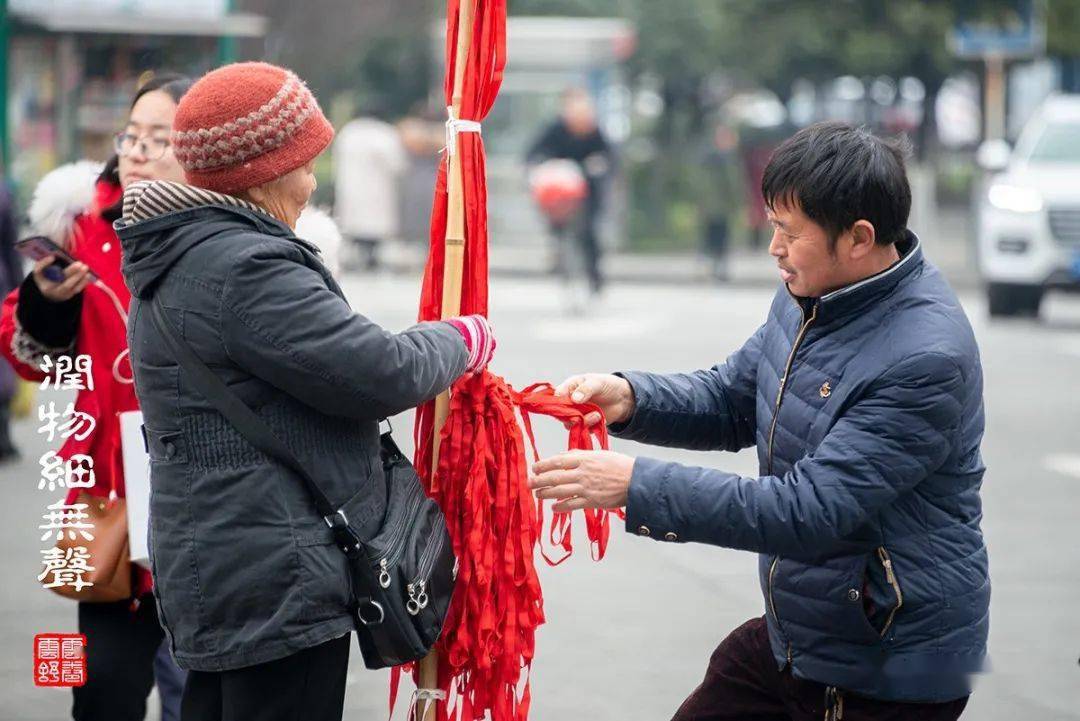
(773, 42)
(1063, 28)
(375, 52)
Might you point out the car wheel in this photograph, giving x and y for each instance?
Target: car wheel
(1010, 299)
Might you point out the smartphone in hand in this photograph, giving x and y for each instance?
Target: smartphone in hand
(37, 247)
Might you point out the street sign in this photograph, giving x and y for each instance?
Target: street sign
(1006, 30)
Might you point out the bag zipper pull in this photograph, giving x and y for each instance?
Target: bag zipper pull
(423, 599)
(384, 573)
(418, 598)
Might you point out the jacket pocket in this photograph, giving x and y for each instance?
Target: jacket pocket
(324, 571)
(324, 575)
(894, 584)
(881, 595)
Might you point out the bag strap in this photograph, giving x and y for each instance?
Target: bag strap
(251, 426)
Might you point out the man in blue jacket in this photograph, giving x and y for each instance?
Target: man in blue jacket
(862, 392)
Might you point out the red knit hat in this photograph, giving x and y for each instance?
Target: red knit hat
(245, 124)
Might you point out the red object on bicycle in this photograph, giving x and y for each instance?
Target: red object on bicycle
(559, 188)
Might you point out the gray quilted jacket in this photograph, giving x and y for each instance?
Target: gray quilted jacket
(244, 568)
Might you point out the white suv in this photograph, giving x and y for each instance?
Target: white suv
(1028, 230)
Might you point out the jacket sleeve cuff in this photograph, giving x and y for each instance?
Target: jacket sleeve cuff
(52, 324)
(648, 511)
(630, 429)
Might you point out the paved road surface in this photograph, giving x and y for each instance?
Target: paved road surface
(628, 638)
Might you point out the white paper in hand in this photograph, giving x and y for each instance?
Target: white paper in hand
(137, 485)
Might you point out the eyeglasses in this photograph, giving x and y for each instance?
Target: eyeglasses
(150, 147)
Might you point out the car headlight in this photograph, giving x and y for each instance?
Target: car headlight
(1015, 198)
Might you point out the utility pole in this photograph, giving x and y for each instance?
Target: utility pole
(994, 97)
(226, 43)
(5, 140)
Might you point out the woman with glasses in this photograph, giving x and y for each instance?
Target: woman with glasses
(82, 312)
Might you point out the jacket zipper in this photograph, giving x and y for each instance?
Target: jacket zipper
(163, 622)
(783, 381)
(772, 433)
(772, 572)
(772, 603)
(890, 576)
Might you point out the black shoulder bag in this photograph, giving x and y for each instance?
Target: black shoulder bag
(401, 580)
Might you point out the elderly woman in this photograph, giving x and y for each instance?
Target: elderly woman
(252, 592)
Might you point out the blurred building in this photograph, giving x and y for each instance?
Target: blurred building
(72, 66)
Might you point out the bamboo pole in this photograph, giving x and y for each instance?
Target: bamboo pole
(452, 278)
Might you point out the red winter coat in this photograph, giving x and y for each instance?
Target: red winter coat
(102, 335)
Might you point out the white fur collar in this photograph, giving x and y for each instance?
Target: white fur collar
(61, 196)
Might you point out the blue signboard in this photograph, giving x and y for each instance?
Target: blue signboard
(1006, 29)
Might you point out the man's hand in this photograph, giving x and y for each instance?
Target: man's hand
(76, 277)
(583, 479)
(612, 393)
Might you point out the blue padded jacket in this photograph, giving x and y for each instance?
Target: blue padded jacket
(866, 409)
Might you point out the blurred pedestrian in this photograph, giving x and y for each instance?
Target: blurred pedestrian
(423, 135)
(77, 316)
(369, 161)
(722, 198)
(11, 274)
(757, 141)
(862, 391)
(255, 595)
(575, 135)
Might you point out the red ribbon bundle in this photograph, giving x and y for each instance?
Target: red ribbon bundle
(495, 523)
(481, 482)
(540, 398)
(497, 604)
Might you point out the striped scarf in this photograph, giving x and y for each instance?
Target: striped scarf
(148, 199)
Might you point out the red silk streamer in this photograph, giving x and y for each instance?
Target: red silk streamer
(483, 76)
(540, 399)
(481, 482)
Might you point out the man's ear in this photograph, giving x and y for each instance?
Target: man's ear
(862, 239)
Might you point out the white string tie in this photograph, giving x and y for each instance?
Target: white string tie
(455, 126)
(422, 698)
